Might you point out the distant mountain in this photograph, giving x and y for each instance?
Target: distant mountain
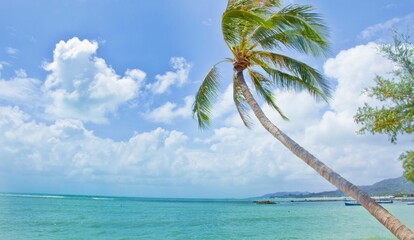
(394, 185)
(384, 187)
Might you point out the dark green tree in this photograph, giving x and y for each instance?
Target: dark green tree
(395, 116)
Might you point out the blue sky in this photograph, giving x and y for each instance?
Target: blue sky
(95, 98)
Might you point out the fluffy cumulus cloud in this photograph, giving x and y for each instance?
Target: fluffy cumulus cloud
(154, 158)
(67, 148)
(82, 86)
(170, 111)
(179, 77)
(354, 70)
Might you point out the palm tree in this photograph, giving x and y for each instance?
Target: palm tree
(255, 31)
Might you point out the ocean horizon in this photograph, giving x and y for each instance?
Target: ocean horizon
(60, 216)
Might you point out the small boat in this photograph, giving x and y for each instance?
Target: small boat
(264, 202)
(380, 201)
(384, 201)
(352, 203)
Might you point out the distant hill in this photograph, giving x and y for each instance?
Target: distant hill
(384, 187)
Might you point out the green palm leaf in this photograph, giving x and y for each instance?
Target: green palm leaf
(253, 4)
(300, 77)
(235, 23)
(295, 27)
(263, 88)
(205, 97)
(288, 81)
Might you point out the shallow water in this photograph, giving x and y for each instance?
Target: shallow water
(25, 216)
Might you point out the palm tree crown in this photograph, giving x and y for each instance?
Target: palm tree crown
(254, 31)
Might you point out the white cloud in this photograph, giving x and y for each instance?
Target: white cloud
(83, 86)
(179, 77)
(224, 104)
(2, 64)
(12, 51)
(354, 69)
(21, 73)
(154, 158)
(380, 30)
(231, 161)
(170, 111)
(20, 89)
(380, 27)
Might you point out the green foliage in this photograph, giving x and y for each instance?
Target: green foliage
(408, 165)
(205, 97)
(400, 194)
(253, 31)
(263, 88)
(239, 4)
(295, 27)
(299, 76)
(396, 115)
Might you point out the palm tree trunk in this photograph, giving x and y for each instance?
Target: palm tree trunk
(381, 214)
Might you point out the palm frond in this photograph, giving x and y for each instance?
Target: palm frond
(206, 95)
(295, 27)
(263, 88)
(252, 4)
(300, 76)
(235, 24)
(241, 104)
(288, 81)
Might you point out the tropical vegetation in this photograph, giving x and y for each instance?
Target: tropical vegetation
(395, 115)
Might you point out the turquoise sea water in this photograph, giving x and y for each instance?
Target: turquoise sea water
(86, 217)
